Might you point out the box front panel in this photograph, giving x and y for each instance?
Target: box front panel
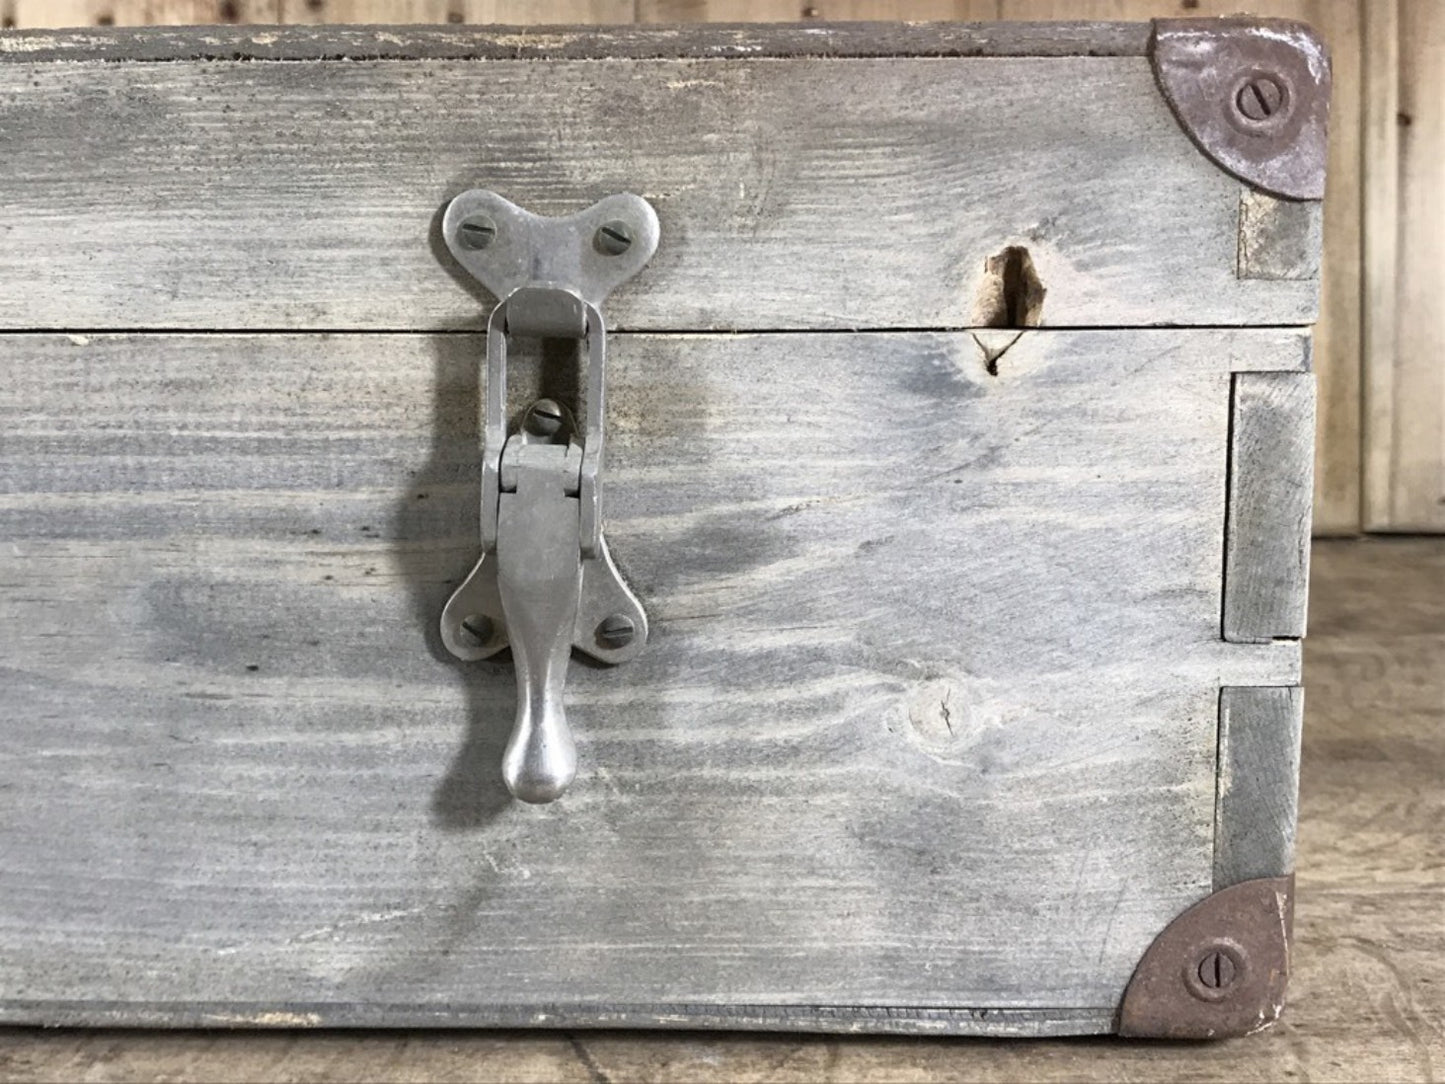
(928, 717)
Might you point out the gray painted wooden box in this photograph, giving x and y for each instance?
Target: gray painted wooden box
(971, 700)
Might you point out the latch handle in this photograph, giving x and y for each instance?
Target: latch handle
(539, 578)
(545, 582)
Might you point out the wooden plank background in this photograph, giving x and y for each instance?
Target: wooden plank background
(1381, 423)
(1405, 379)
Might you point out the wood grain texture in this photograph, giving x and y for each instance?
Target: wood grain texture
(1406, 412)
(1381, 254)
(1338, 471)
(755, 174)
(1366, 999)
(405, 12)
(77, 13)
(1266, 573)
(1354, 151)
(837, 40)
(995, 602)
(1257, 805)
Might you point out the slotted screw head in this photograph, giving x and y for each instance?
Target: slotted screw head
(475, 630)
(1260, 98)
(614, 238)
(544, 417)
(616, 631)
(1216, 970)
(477, 231)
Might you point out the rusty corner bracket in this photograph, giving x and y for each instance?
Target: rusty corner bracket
(1218, 970)
(1253, 95)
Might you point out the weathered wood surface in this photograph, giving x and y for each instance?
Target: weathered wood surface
(237, 770)
(712, 42)
(1258, 803)
(1405, 415)
(1267, 541)
(1339, 331)
(1367, 999)
(198, 208)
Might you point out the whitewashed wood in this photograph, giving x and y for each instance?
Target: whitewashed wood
(1258, 803)
(1339, 331)
(796, 1019)
(197, 209)
(1381, 91)
(1338, 341)
(1406, 411)
(1365, 997)
(1267, 545)
(837, 40)
(928, 719)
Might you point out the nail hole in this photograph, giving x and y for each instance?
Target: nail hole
(1011, 294)
(230, 13)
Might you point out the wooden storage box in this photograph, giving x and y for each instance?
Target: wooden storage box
(959, 441)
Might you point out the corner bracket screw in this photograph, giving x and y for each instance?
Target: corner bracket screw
(1260, 98)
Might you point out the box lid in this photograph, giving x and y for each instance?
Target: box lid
(830, 177)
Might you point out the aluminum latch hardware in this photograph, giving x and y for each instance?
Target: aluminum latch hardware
(545, 582)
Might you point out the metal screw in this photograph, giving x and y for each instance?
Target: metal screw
(616, 631)
(614, 238)
(1260, 98)
(477, 231)
(475, 630)
(544, 417)
(1216, 970)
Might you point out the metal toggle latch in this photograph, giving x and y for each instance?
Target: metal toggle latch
(545, 582)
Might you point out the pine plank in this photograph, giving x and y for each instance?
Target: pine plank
(333, 215)
(1366, 1000)
(225, 560)
(1406, 413)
